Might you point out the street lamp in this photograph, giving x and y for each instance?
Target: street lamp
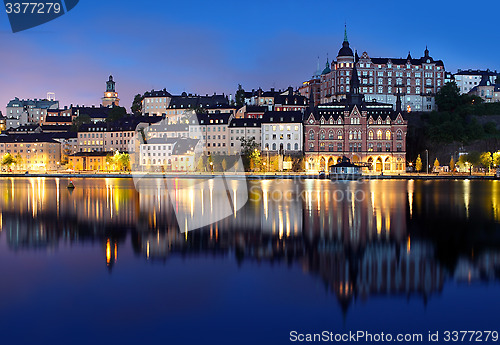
(212, 167)
(427, 160)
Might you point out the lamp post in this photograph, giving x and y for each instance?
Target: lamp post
(427, 160)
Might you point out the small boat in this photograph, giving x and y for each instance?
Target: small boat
(71, 186)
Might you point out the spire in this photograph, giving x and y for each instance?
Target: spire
(426, 51)
(354, 80)
(345, 33)
(409, 56)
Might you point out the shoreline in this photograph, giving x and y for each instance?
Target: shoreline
(252, 176)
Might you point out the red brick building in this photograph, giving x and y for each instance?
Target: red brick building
(369, 133)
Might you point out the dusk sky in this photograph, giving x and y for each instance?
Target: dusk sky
(211, 46)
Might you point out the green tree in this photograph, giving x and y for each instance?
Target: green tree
(452, 164)
(239, 97)
(116, 113)
(79, 121)
(248, 148)
(436, 164)
(136, 107)
(8, 160)
(486, 159)
(18, 161)
(448, 98)
(496, 159)
(418, 164)
(255, 160)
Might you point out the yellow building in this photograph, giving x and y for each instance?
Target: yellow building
(31, 152)
(89, 161)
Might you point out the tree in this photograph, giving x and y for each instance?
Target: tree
(136, 107)
(436, 164)
(116, 113)
(248, 151)
(18, 160)
(496, 159)
(418, 164)
(239, 97)
(452, 164)
(486, 159)
(79, 121)
(448, 98)
(255, 160)
(8, 160)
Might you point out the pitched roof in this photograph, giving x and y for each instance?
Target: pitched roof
(282, 116)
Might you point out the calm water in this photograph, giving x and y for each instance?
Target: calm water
(106, 263)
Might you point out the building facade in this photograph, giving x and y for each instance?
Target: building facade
(381, 79)
(282, 132)
(32, 152)
(26, 111)
(371, 134)
(466, 80)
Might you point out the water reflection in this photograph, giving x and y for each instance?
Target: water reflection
(361, 239)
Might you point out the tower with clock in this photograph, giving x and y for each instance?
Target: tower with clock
(110, 98)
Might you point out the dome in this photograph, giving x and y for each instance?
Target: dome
(345, 50)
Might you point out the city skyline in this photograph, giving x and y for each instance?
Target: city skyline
(206, 48)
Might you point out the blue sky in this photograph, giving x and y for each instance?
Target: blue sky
(205, 47)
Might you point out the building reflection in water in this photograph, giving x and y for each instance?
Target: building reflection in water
(360, 239)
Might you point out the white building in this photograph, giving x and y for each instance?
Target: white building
(466, 80)
(243, 128)
(157, 152)
(282, 131)
(24, 111)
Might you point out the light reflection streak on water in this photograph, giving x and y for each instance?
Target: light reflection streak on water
(466, 196)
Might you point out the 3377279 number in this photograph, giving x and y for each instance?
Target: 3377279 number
(470, 336)
(32, 7)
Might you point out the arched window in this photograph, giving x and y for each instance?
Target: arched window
(399, 135)
(339, 135)
(274, 146)
(350, 135)
(311, 135)
(379, 135)
(296, 146)
(370, 135)
(330, 147)
(322, 135)
(387, 135)
(330, 135)
(288, 146)
(359, 135)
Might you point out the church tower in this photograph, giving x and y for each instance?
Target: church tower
(110, 98)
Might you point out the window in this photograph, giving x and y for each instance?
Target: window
(370, 135)
(322, 135)
(379, 147)
(399, 135)
(339, 135)
(379, 134)
(311, 135)
(388, 147)
(370, 147)
(399, 147)
(339, 147)
(330, 135)
(330, 147)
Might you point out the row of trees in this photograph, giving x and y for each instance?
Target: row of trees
(485, 160)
